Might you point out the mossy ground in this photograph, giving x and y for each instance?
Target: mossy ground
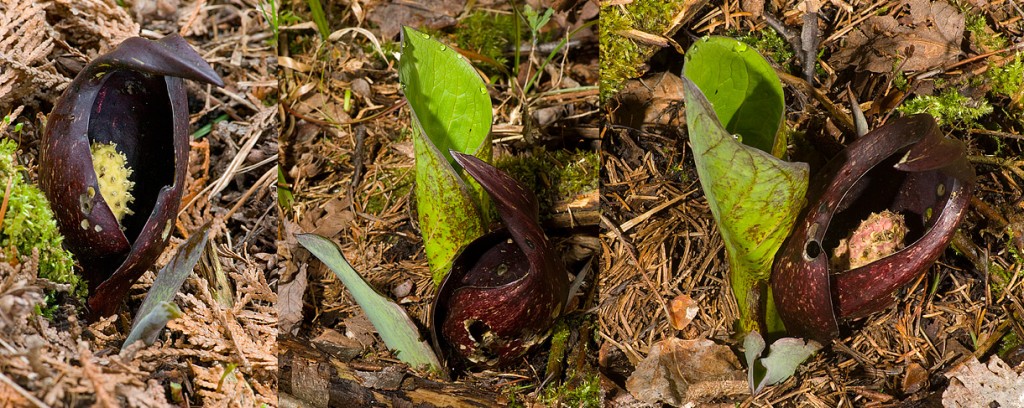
(554, 175)
(622, 58)
(28, 225)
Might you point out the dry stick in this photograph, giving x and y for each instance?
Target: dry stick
(7, 198)
(21, 391)
(983, 56)
(357, 156)
(991, 340)
(843, 120)
(256, 131)
(265, 179)
(628, 225)
(995, 133)
(192, 18)
(1013, 166)
(402, 102)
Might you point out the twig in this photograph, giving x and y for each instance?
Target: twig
(995, 133)
(262, 182)
(628, 225)
(843, 120)
(7, 199)
(1013, 166)
(21, 391)
(357, 156)
(192, 17)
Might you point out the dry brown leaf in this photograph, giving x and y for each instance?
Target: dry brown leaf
(928, 37)
(650, 101)
(678, 371)
(391, 16)
(973, 384)
(915, 379)
(289, 301)
(681, 311)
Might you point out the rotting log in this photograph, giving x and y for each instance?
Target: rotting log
(312, 378)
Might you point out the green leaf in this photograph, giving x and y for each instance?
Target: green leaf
(394, 326)
(319, 17)
(755, 199)
(743, 88)
(784, 356)
(451, 110)
(158, 308)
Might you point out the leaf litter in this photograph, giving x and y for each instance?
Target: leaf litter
(660, 242)
(351, 168)
(222, 351)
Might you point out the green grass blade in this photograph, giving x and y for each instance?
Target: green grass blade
(319, 18)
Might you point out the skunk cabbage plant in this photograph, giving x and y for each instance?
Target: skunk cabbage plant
(905, 169)
(114, 160)
(506, 288)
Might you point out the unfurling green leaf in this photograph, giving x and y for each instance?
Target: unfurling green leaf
(784, 356)
(742, 87)
(392, 323)
(451, 109)
(158, 308)
(754, 197)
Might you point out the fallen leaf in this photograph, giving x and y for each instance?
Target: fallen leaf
(289, 301)
(784, 356)
(681, 311)
(915, 379)
(435, 15)
(336, 218)
(928, 37)
(973, 384)
(338, 345)
(358, 327)
(679, 371)
(654, 100)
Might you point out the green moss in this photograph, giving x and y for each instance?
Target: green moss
(28, 224)
(948, 108)
(770, 45)
(1009, 342)
(554, 175)
(579, 390)
(621, 57)
(1008, 79)
(899, 78)
(983, 37)
(488, 34)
